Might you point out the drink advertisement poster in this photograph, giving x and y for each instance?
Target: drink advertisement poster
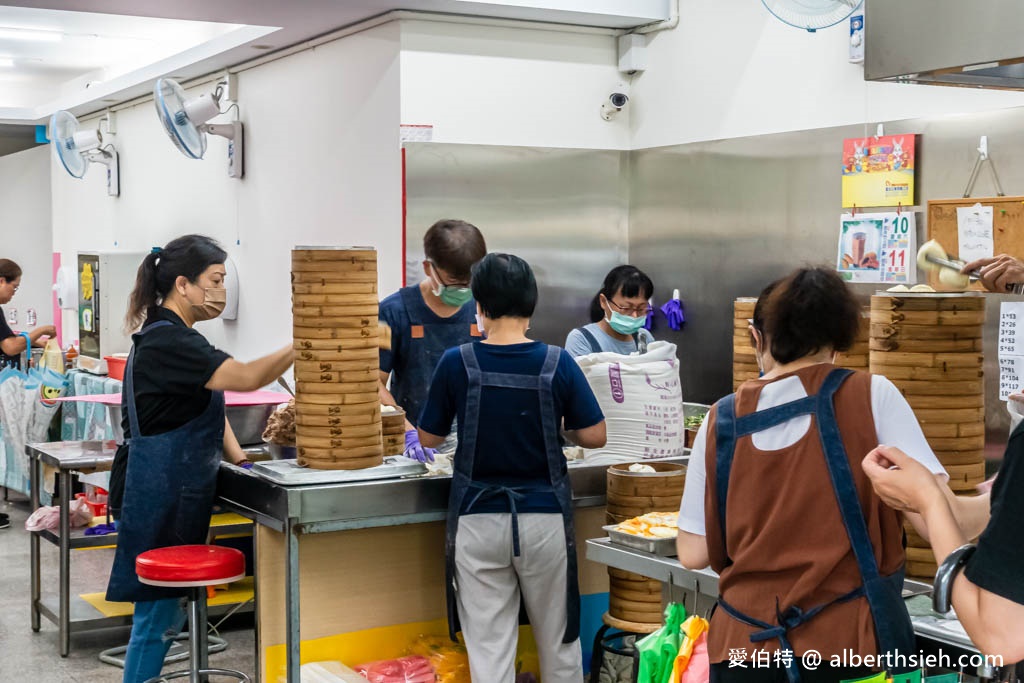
(878, 247)
(879, 171)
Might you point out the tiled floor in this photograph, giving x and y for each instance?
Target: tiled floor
(33, 657)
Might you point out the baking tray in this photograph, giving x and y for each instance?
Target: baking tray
(288, 473)
(665, 547)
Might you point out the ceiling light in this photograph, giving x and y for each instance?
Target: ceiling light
(39, 35)
(6, 62)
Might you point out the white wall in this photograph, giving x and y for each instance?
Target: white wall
(25, 229)
(510, 86)
(322, 166)
(730, 69)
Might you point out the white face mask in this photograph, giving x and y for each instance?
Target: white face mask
(480, 324)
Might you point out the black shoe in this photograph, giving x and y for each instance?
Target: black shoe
(5, 521)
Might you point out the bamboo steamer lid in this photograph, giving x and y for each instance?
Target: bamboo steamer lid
(335, 411)
(336, 376)
(336, 463)
(338, 431)
(347, 404)
(365, 348)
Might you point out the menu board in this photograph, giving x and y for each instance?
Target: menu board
(1011, 349)
(878, 247)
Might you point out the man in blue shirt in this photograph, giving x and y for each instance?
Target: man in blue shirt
(510, 526)
(427, 319)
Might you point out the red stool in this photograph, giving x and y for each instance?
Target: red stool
(193, 567)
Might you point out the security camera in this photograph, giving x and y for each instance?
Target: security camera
(615, 103)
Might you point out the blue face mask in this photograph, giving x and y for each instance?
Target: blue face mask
(625, 324)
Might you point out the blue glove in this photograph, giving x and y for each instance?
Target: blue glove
(673, 310)
(414, 450)
(244, 464)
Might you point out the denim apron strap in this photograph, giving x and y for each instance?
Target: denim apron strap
(884, 593)
(595, 347)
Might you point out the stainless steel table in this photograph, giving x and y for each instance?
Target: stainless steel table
(322, 508)
(69, 458)
(704, 582)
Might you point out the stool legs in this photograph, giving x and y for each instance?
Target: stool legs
(197, 634)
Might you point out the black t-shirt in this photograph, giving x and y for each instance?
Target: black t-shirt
(998, 564)
(6, 333)
(173, 363)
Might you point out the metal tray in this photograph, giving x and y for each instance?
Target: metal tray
(288, 473)
(665, 547)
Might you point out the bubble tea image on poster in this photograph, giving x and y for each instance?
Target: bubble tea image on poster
(858, 247)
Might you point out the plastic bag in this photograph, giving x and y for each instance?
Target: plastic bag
(693, 629)
(699, 668)
(658, 651)
(48, 516)
(449, 660)
(415, 669)
(326, 672)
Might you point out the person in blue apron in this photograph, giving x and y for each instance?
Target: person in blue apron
(776, 502)
(617, 314)
(164, 475)
(426, 320)
(12, 344)
(510, 536)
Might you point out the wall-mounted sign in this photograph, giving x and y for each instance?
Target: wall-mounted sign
(878, 247)
(879, 171)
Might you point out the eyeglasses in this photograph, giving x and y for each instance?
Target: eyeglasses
(632, 311)
(437, 274)
(14, 287)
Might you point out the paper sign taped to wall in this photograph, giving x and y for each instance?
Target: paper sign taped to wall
(974, 231)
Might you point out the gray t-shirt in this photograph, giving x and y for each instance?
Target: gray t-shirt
(577, 345)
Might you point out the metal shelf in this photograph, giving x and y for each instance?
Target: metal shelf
(80, 540)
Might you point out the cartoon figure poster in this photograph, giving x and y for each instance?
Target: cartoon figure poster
(879, 171)
(878, 247)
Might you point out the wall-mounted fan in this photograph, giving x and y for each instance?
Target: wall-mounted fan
(76, 149)
(812, 14)
(185, 121)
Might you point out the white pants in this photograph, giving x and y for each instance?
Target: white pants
(489, 583)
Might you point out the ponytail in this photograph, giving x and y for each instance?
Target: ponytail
(187, 256)
(145, 294)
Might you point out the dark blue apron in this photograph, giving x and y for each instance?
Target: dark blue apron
(169, 489)
(427, 342)
(463, 484)
(884, 594)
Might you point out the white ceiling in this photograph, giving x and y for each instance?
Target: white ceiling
(112, 50)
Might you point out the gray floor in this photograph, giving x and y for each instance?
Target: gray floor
(33, 657)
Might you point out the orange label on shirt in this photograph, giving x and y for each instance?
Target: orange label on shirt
(474, 331)
(417, 331)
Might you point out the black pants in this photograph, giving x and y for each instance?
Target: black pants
(721, 673)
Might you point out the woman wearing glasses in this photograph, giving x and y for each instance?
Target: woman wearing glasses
(617, 313)
(13, 345)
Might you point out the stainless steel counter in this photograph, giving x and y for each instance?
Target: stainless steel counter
(323, 508)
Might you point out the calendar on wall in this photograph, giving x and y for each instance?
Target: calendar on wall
(878, 247)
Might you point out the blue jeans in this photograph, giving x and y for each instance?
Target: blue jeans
(154, 627)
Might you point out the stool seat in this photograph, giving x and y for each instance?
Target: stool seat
(188, 566)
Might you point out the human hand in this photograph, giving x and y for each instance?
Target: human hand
(900, 481)
(415, 450)
(245, 464)
(47, 331)
(997, 273)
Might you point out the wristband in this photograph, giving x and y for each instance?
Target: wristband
(942, 591)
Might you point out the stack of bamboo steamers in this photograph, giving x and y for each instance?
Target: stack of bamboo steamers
(744, 360)
(929, 346)
(335, 331)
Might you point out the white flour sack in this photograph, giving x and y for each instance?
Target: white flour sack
(642, 401)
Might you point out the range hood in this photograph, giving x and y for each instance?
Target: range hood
(965, 43)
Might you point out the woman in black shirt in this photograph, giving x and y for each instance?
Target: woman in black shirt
(11, 344)
(163, 479)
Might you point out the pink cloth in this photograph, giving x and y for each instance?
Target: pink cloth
(699, 668)
(231, 398)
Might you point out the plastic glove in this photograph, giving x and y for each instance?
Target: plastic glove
(414, 450)
(673, 310)
(244, 464)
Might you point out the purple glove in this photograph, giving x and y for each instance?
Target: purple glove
(244, 464)
(673, 311)
(414, 450)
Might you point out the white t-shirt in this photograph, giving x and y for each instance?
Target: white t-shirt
(895, 425)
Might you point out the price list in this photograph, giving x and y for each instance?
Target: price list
(1011, 349)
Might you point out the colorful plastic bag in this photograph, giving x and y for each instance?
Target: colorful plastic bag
(413, 669)
(449, 660)
(658, 651)
(693, 629)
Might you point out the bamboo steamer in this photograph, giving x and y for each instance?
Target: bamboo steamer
(930, 348)
(633, 597)
(857, 357)
(336, 333)
(744, 360)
